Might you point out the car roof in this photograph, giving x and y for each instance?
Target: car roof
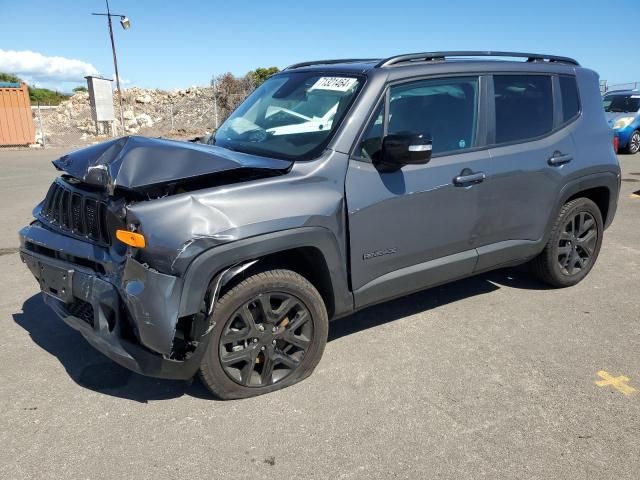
(622, 92)
(472, 60)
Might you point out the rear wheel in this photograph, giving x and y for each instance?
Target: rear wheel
(573, 246)
(270, 332)
(633, 146)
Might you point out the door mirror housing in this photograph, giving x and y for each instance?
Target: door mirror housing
(404, 149)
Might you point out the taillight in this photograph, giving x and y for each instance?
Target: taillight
(616, 143)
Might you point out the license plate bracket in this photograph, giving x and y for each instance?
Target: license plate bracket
(53, 280)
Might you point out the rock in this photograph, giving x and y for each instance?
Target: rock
(179, 112)
(40, 138)
(144, 99)
(144, 120)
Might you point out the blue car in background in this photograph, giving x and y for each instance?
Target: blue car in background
(622, 108)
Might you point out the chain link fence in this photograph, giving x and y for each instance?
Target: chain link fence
(182, 114)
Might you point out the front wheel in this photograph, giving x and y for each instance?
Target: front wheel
(269, 332)
(573, 246)
(633, 146)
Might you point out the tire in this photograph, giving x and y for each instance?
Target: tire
(270, 331)
(572, 249)
(633, 146)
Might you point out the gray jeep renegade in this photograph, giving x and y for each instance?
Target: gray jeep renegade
(336, 185)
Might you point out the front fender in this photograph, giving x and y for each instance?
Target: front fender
(206, 265)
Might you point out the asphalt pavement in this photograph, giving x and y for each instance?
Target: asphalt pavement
(490, 377)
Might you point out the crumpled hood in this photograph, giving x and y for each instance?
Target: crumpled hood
(136, 162)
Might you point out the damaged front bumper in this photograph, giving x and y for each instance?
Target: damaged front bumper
(130, 314)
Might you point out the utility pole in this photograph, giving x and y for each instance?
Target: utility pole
(124, 21)
(214, 80)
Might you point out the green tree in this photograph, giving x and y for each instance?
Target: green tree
(260, 74)
(46, 96)
(9, 77)
(80, 89)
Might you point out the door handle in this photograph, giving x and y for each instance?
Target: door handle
(559, 158)
(470, 178)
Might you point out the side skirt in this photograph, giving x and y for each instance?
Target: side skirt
(446, 269)
(415, 278)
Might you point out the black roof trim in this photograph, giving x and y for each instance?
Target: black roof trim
(442, 56)
(330, 62)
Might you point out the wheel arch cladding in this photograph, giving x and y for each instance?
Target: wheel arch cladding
(601, 188)
(299, 249)
(309, 262)
(598, 195)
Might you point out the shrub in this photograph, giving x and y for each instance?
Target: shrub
(9, 77)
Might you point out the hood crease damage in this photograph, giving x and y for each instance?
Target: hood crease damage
(135, 163)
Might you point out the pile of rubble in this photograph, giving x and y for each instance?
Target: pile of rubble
(157, 112)
(176, 114)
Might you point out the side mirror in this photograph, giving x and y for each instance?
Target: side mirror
(404, 149)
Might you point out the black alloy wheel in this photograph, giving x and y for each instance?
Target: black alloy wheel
(573, 244)
(267, 332)
(265, 339)
(577, 243)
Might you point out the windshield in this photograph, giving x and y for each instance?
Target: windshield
(291, 115)
(621, 103)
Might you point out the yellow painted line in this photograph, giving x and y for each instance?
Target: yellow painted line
(619, 383)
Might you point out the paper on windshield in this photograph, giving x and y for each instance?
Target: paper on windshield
(335, 84)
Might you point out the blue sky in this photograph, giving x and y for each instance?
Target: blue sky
(174, 44)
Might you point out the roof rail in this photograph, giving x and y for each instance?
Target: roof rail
(442, 56)
(329, 62)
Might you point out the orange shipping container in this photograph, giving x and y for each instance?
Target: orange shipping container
(16, 122)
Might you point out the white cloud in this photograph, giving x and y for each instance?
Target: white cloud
(123, 81)
(37, 68)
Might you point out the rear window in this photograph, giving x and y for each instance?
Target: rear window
(524, 107)
(570, 98)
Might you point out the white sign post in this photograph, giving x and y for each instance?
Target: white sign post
(101, 98)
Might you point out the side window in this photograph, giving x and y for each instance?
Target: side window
(570, 98)
(524, 107)
(446, 109)
(371, 142)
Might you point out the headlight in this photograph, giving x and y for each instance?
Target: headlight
(623, 122)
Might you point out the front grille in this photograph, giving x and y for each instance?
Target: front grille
(76, 212)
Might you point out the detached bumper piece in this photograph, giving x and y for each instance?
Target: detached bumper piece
(96, 309)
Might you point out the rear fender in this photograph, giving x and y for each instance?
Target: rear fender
(609, 180)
